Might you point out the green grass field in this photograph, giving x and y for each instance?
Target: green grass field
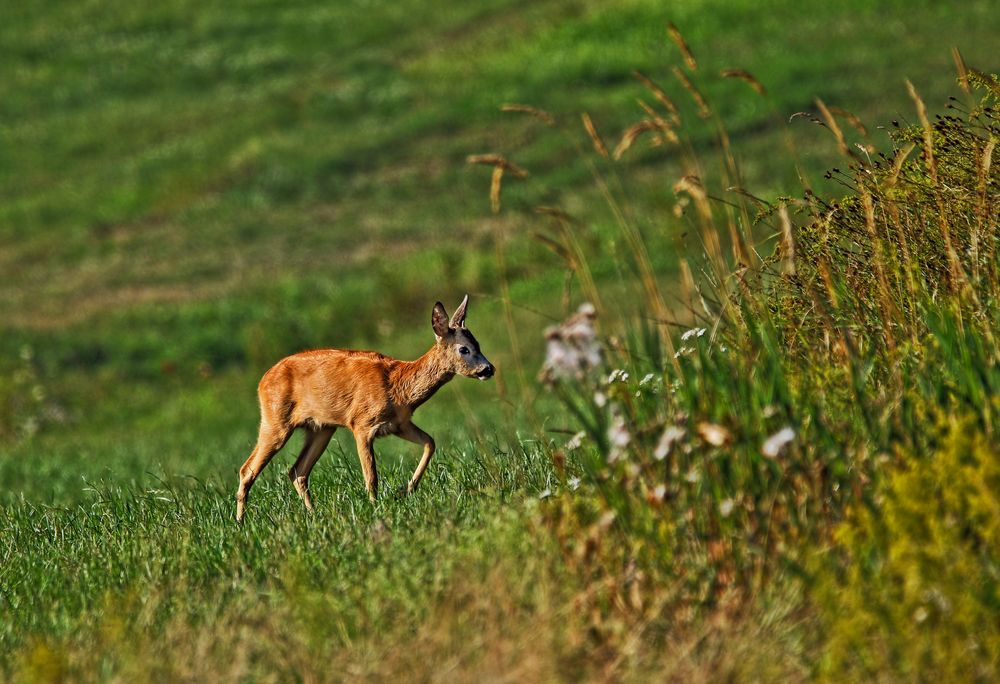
(189, 192)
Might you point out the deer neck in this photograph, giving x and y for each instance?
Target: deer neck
(415, 382)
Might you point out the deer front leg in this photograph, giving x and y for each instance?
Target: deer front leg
(366, 454)
(412, 433)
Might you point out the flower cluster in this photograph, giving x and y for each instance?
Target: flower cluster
(573, 349)
(692, 336)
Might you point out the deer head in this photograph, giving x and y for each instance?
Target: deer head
(460, 347)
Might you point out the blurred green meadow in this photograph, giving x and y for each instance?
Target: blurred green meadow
(190, 191)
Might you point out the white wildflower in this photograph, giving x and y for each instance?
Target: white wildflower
(600, 399)
(574, 483)
(575, 441)
(618, 437)
(647, 379)
(776, 443)
(572, 346)
(693, 476)
(726, 507)
(714, 434)
(546, 493)
(693, 332)
(671, 435)
(618, 375)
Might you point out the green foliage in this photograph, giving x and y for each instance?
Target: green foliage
(913, 585)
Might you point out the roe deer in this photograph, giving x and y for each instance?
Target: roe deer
(370, 394)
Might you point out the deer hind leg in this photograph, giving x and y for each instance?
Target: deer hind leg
(412, 433)
(316, 441)
(366, 453)
(269, 442)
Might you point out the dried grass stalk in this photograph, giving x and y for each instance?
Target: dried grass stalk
(747, 78)
(787, 241)
(495, 189)
(704, 111)
(557, 214)
(983, 213)
(852, 119)
(808, 115)
(831, 291)
(889, 312)
(834, 127)
(897, 163)
(571, 251)
(595, 138)
(692, 186)
(986, 162)
(667, 133)
(953, 262)
(557, 248)
(658, 93)
(631, 134)
(539, 114)
(962, 69)
(497, 160)
(500, 165)
(928, 131)
(679, 41)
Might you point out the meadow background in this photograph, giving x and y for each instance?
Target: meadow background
(190, 191)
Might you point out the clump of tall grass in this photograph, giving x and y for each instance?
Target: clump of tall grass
(823, 338)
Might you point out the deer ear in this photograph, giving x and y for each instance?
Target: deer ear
(458, 319)
(439, 320)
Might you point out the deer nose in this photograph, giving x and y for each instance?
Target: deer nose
(486, 372)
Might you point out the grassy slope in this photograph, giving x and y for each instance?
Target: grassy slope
(208, 187)
(220, 187)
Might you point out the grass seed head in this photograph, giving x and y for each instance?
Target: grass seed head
(747, 78)
(704, 111)
(539, 114)
(631, 134)
(595, 138)
(675, 35)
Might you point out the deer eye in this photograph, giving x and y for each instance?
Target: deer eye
(463, 350)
